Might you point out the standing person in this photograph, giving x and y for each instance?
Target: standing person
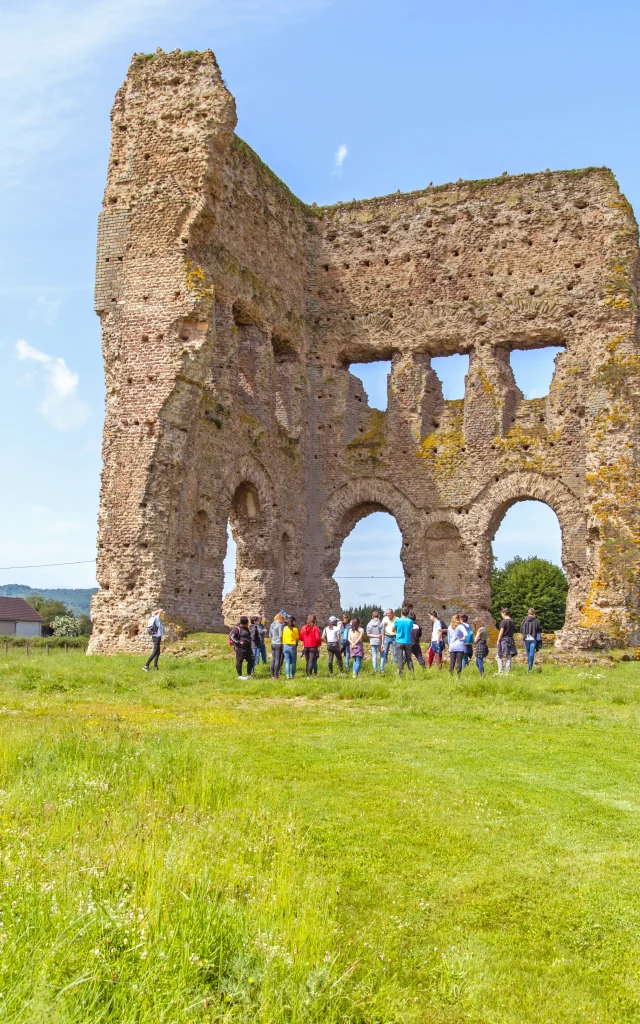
(374, 632)
(437, 638)
(482, 644)
(468, 653)
(275, 635)
(155, 629)
(290, 638)
(254, 629)
(506, 643)
(416, 649)
(240, 637)
(531, 633)
(331, 636)
(388, 638)
(262, 630)
(311, 640)
(403, 627)
(457, 636)
(344, 639)
(356, 645)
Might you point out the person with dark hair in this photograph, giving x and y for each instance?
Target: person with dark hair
(437, 639)
(256, 639)
(275, 635)
(482, 644)
(331, 636)
(344, 640)
(311, 640)
(506, 644)
(388, 638)
(155, 629)
(241, 638)
(290, 638)
(356, 645)
(468, 653)
(531, 634)
(403, 627)
(416, 649)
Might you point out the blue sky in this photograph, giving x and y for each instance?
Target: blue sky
(343, 98)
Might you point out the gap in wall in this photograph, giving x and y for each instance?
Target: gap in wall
(528, 528)
(371, 549)
(229, 564)
(374, 377)
(451, 372)
(533, 369)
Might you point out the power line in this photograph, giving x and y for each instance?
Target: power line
(47, 565)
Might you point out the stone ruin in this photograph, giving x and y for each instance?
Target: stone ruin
(231, 312)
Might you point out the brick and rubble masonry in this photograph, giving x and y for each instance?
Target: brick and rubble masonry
(231, 312)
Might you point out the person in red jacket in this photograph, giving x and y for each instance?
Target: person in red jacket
(311, 640)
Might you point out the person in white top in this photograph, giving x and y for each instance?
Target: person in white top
(437, 639)
(388, 638)
(155, 629)
(331, 636)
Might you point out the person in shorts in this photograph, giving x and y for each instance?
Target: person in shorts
(437, 638)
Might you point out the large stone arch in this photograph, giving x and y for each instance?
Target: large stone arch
(343, 509)
(487, 512)
(247, 501)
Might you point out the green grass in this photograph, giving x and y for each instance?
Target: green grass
(183, 846)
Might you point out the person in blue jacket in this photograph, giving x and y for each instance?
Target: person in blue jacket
(404, 640)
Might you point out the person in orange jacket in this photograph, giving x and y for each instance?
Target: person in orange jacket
(311, 640)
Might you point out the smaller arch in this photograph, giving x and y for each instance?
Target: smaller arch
(246, 502)
(347, 504)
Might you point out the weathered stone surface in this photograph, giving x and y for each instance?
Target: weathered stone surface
(231, 312)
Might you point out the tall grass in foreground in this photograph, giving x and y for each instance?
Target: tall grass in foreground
(187, 847)
(144, 880)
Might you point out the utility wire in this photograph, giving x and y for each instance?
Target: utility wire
(229, 572)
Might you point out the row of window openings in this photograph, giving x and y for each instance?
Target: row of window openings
(532, 370)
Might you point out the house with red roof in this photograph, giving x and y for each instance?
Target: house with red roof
(18, 618)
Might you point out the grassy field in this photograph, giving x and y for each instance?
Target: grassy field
(186, 847)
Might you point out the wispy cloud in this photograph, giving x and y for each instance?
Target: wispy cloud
(60, 405)
(46, 308)
(339, 158)
(48, 46)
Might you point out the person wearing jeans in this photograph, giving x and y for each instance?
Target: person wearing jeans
(437, 639)
(403, 627)
(374, 632)
(388, 638)
(356, 646)
(344, 640)
(290, 638)
(531, 630)
(275, 635)
(481, 641)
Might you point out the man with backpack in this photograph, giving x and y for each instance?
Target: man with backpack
(155, 629)
(240, 637)
(468, 654)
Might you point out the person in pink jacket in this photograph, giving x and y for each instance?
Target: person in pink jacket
(311, 640)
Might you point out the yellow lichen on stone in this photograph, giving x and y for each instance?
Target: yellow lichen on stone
(197, 282)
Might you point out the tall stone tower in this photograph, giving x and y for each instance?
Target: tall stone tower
(231, 312)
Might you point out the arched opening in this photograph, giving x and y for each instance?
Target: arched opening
(229, 563)
(370, 573)
(527, 563)
(242, 561)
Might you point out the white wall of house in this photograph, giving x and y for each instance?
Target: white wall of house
(7, 628)
(28, 629)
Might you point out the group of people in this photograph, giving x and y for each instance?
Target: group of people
(395, 636)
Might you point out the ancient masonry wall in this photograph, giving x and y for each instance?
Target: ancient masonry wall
(231, 312)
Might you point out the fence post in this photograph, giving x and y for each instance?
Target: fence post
(27, 649)
(46, 647)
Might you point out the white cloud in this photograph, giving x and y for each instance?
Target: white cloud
(339, 158)
(47, 46)
(60, 405)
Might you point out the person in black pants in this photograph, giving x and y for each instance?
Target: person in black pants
(155, 629)
(241, 637)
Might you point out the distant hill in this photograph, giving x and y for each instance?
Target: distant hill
(77, 600)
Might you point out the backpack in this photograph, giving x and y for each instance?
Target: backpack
(231, 640)
(469, 630)
(152, 630)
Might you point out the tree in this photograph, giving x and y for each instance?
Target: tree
(65, 625)
(526, 583)
(47, 607)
